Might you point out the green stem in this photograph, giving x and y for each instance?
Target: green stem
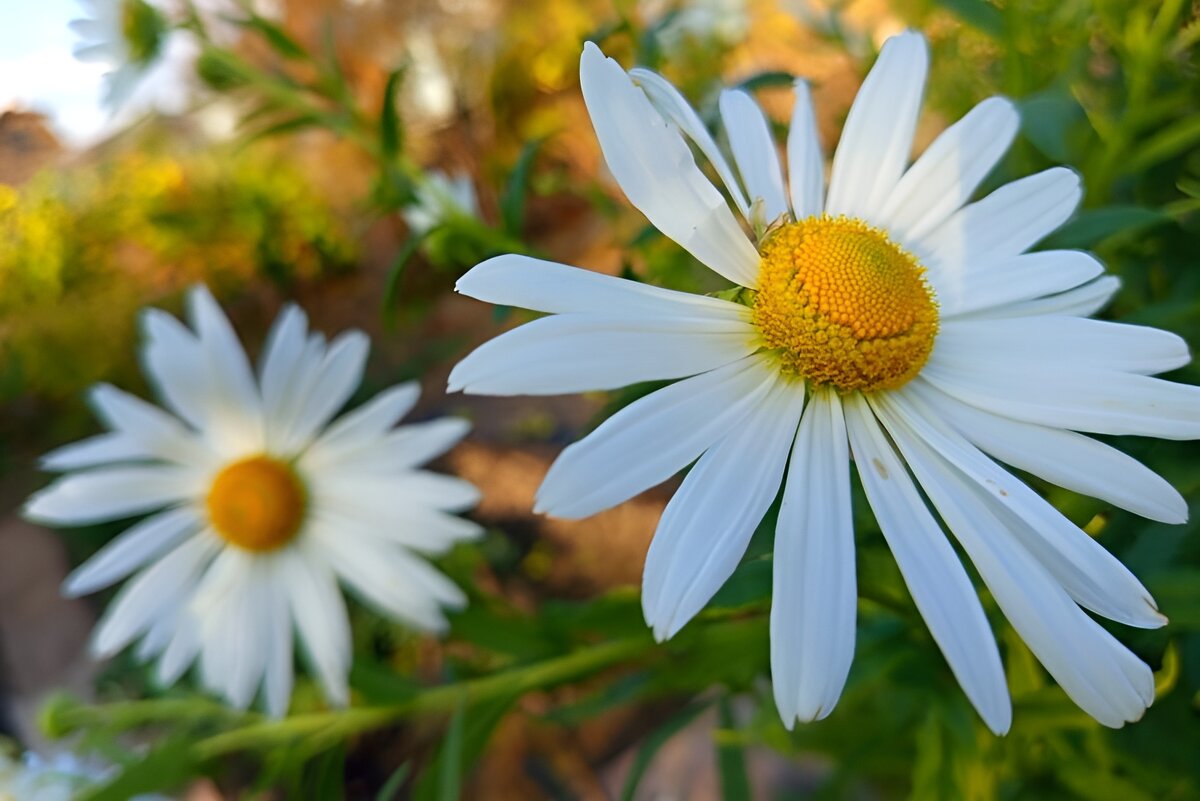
(336, 724)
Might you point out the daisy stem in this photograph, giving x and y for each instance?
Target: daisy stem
(335, 725)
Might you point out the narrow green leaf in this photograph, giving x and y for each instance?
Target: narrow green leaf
(978, 14)
(1093, 226)
(655, 741)
(767, 79)
(450, 774)
(391, 787)
(512, 201)
(279, 40)
(1047, 119)
(731, 760)
(391, 286)
(1173, 141)
(391, 130)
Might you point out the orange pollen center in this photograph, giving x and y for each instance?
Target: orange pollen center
(257, 504)
(844, 306)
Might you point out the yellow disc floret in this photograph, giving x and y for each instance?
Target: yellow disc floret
(257, 504)
(843, 305)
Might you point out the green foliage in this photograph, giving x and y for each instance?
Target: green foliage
(82, 250)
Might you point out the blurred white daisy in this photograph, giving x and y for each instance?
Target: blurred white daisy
(440, 198)
(886, 319)
(699, 21)
(149, 64)
(259, 505)
(61, 777)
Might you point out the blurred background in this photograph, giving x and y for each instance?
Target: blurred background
(356, 156)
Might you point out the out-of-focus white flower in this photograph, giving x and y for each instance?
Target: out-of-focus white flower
(886, 317)
(724, 21)
(150, 65)
(440, 198)
(428, 83)
(260, 503)
(60, 778)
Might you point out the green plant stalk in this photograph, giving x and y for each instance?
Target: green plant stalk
(336, 724)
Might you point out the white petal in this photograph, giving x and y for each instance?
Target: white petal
(337, 378)
(370, 515)
(414, 488)
(398, 584)
(1004, 224)
(581, 352)
(156, 590)
(175, 365)
(229, 603)
(528, 283)
(93, 451)
(950, 170)
(1070, 460)
(135, 547)
(806, 164)
(674, 106)
(1099, 344)
(878, 135)
(1082, 301)
(652, 438)
(320, 615)
(1097, 672)
(707, 524)
(235, 415)
(1090, 574)
(111, 493)
(277, 684)
(655, 169)
(282, 360)
(814, 598)
(935, 578)
(754, 152)
(1027, 277)
(181, 651)
(159, 434)
(362, 427)
(1075, 397)
(405, 448)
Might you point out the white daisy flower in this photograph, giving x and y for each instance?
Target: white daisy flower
(441, 197)
(887, 319)
(150, 65)
(259, 504)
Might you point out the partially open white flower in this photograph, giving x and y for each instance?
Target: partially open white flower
(441, 197)
(260, 504)
(150, 65)
(888, 319)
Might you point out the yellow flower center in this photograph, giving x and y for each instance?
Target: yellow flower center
(257, 504)
(843, 305)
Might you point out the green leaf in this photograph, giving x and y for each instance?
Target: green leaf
(731, 760)
(749, 584)
(512, 201)
(391, 129)
(164, 767)
(767, 79)
(978, 14)
(1093, 226)
(1173, 141)
(391, 286)
(466, 737)
(1047, 119)
(325, 776)
(391, 787)
(278, 39)
(450, 774)
(655, 741)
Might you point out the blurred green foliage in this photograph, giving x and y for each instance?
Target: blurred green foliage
(84, 248)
